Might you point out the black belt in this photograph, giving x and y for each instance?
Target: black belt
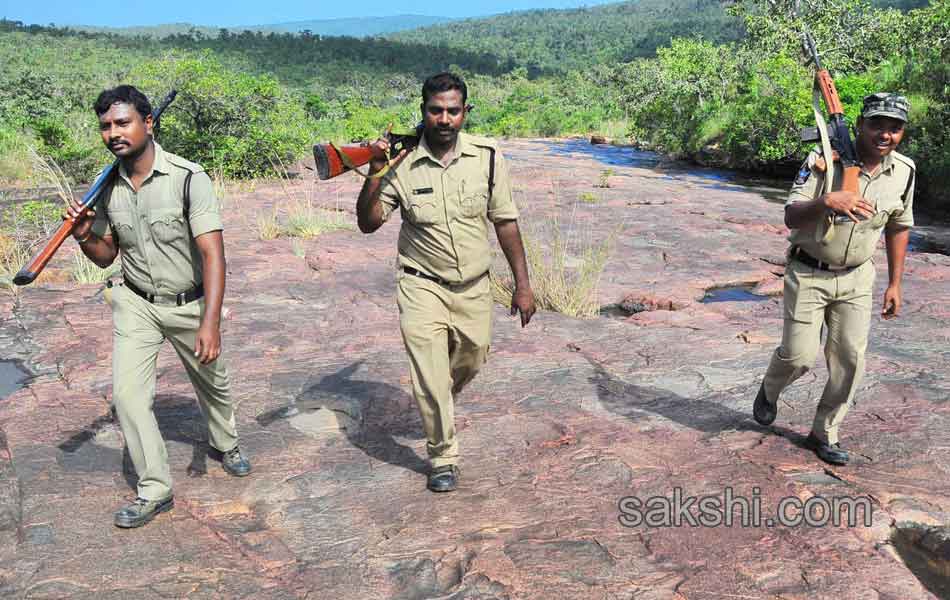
(418, 273)
(807, 259)
(178, 299)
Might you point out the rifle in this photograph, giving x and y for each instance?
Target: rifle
(332, 160)
(32, 269)
(834, 134)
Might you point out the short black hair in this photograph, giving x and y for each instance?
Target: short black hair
(122, 94)
(443, 82)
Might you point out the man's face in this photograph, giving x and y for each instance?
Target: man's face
(443, 115)
(879, 136)
(124, 132)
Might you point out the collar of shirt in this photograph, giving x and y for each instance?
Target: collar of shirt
(159, 165)
(462, 147)
(887, 163)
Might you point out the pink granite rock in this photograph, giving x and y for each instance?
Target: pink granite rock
(568, 418)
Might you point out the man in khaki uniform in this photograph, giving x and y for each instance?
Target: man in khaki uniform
(447, 189)
(830, 275)
(160, 211)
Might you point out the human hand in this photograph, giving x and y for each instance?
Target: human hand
(523, 301)
(850, 204)
(83, 218)
(380, 150)
(207, 344)
(892, 302)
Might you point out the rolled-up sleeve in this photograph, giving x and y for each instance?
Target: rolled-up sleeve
(205, 210)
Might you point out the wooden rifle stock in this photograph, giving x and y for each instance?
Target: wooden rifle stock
(332, 160)
(330, 163)
(829, 93)
(32, 269)
(839, 133)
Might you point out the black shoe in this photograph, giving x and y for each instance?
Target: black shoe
(235, 463)
(764, 412)
(443, 479)
(141, 512)
(830, 453)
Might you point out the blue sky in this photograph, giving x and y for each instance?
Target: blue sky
(250, 12)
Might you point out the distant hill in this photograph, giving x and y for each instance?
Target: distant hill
(556, 40)
(356, 26)
(352, 27)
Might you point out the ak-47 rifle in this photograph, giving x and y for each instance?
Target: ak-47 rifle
(835, 135)
(39, 261)
(332, 160)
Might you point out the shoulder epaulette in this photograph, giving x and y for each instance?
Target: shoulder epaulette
(904, 159)
(184, 164)
(482, 142)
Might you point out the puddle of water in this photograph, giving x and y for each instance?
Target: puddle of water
(12, 377)
(735, 293)
(615, 311)
(931, 242)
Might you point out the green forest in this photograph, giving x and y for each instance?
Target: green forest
(689, 78)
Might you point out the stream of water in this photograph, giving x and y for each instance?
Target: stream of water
(930, 235)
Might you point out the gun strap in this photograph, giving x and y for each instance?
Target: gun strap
(186, 202)
(826, 151)
(349, 164)
(491, 173)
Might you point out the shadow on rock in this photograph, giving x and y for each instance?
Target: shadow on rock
(179, 419)
(370, 412)
(630, 400)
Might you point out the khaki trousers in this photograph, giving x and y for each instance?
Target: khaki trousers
(447, 332)
(139, 329)
(843, 303)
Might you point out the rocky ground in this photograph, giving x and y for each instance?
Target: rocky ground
(568, 419)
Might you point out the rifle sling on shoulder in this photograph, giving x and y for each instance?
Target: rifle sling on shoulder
(491, 173)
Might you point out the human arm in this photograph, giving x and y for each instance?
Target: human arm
(208, 341)
(896, 242)
(509, 238)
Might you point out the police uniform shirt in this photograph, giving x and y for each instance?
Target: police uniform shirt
(446, 209)
(158, 254)
(890, 191)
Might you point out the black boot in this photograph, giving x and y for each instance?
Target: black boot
(443, 479)
(832, 454)
(763, 411)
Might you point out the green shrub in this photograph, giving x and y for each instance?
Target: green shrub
(234, 123)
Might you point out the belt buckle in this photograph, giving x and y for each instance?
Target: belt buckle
(180, 298)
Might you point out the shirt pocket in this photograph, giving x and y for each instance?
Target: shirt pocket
(123, 224)
(872, 224)
(167, 227)
(474, 197)
(423, 210)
